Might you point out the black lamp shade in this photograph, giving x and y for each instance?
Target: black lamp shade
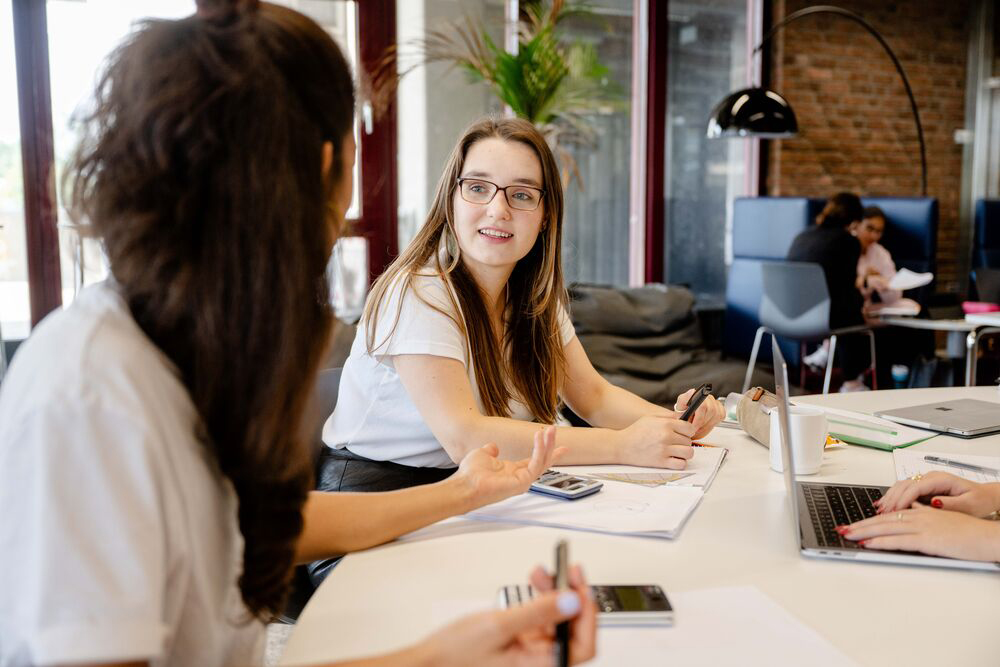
(753, 112)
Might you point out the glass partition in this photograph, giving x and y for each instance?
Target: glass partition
(706, 61)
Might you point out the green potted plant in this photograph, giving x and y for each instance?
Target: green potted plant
(552, 81)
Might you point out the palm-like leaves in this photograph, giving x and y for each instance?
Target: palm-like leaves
(550, 82)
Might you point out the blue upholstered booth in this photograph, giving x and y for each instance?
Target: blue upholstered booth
(986, 238)
(763, 230)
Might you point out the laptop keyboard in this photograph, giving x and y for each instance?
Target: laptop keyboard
(832, 506)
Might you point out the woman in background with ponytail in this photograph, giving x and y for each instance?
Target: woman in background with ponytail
(154, 475)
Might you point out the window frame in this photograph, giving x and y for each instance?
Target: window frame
(377, 150)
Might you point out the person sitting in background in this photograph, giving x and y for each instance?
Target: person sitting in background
(953, 525)
(829, 244)
(154, 471)
(875, 266)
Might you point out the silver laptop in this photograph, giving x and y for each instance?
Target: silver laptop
(818, 508)
(966, 417)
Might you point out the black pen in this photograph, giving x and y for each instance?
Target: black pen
(697, 398)
(562, 584)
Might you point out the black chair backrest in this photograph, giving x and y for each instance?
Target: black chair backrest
(796, 301)
(324, 401)
(987, 284)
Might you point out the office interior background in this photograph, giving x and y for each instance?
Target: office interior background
(652, 198)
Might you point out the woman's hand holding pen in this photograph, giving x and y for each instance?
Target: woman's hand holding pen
(521, 636)
(658, 441)
(710, 413)
(945, 491)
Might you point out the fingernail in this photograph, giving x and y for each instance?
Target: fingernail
(568, 603)
(863, 543)
(841, 529)
(937, 503)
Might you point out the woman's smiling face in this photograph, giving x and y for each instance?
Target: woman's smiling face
(495, 236)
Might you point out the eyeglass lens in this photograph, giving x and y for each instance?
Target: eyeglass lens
(522, 198)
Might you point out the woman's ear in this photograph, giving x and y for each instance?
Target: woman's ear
(327, 158)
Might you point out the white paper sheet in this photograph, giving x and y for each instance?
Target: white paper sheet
(720, 626)
(906, 279)
(618, 508)
(909, 463)
(705, 464)
(988, 319)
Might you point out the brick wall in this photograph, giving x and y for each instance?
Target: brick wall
(856, 129)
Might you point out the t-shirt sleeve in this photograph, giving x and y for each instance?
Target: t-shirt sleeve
(418, 318)
(566, 331)
(83, 536)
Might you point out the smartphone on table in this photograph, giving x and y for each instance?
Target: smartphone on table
(562, 485)
(617, 605)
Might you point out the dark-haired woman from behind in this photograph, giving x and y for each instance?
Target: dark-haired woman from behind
(154, 475)
(830, 244)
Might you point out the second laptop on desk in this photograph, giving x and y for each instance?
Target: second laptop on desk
(817, 508)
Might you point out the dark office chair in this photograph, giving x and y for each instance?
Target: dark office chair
(986, 284)
(327, 386)
(796, 305)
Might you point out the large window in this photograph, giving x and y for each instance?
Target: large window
(707, 59)
(15, 314)
(596, 228)
(81, 35)
(437, 102)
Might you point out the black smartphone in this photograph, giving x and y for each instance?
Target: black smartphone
(697, 398)
(617, 605)
(562, 584)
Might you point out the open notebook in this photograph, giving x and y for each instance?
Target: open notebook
(619, 508)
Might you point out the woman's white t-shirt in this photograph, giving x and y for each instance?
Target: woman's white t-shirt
(119, 539)
(375, 416)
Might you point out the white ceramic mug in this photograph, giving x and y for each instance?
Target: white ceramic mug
(807, 431)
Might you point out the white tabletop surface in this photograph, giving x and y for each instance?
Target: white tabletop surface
(392, 596)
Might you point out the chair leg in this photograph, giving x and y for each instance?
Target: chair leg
(871, 341)
(802, 364)
(829, 365)
(753, 358)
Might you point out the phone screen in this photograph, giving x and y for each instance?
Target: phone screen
(631, 598)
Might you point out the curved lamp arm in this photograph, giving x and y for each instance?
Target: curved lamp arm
(829, 9)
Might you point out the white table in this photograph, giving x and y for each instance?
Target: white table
(394, 595)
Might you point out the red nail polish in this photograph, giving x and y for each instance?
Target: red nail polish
(937, 503)
(841, 529)
(864, 543)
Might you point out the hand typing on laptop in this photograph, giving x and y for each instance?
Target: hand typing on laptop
(950, 526)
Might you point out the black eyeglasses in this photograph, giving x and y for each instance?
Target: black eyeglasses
(519, 197)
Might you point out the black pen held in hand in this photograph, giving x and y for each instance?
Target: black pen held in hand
(562, 584)
(697, 398)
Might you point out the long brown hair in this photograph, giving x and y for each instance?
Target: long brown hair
(202, 172)
(530, 361)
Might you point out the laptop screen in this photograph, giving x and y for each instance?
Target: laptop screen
(781, 391)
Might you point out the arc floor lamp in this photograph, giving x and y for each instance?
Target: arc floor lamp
(759, 112)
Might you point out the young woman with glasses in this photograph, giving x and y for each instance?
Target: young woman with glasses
(466, 338)
(154, 475)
